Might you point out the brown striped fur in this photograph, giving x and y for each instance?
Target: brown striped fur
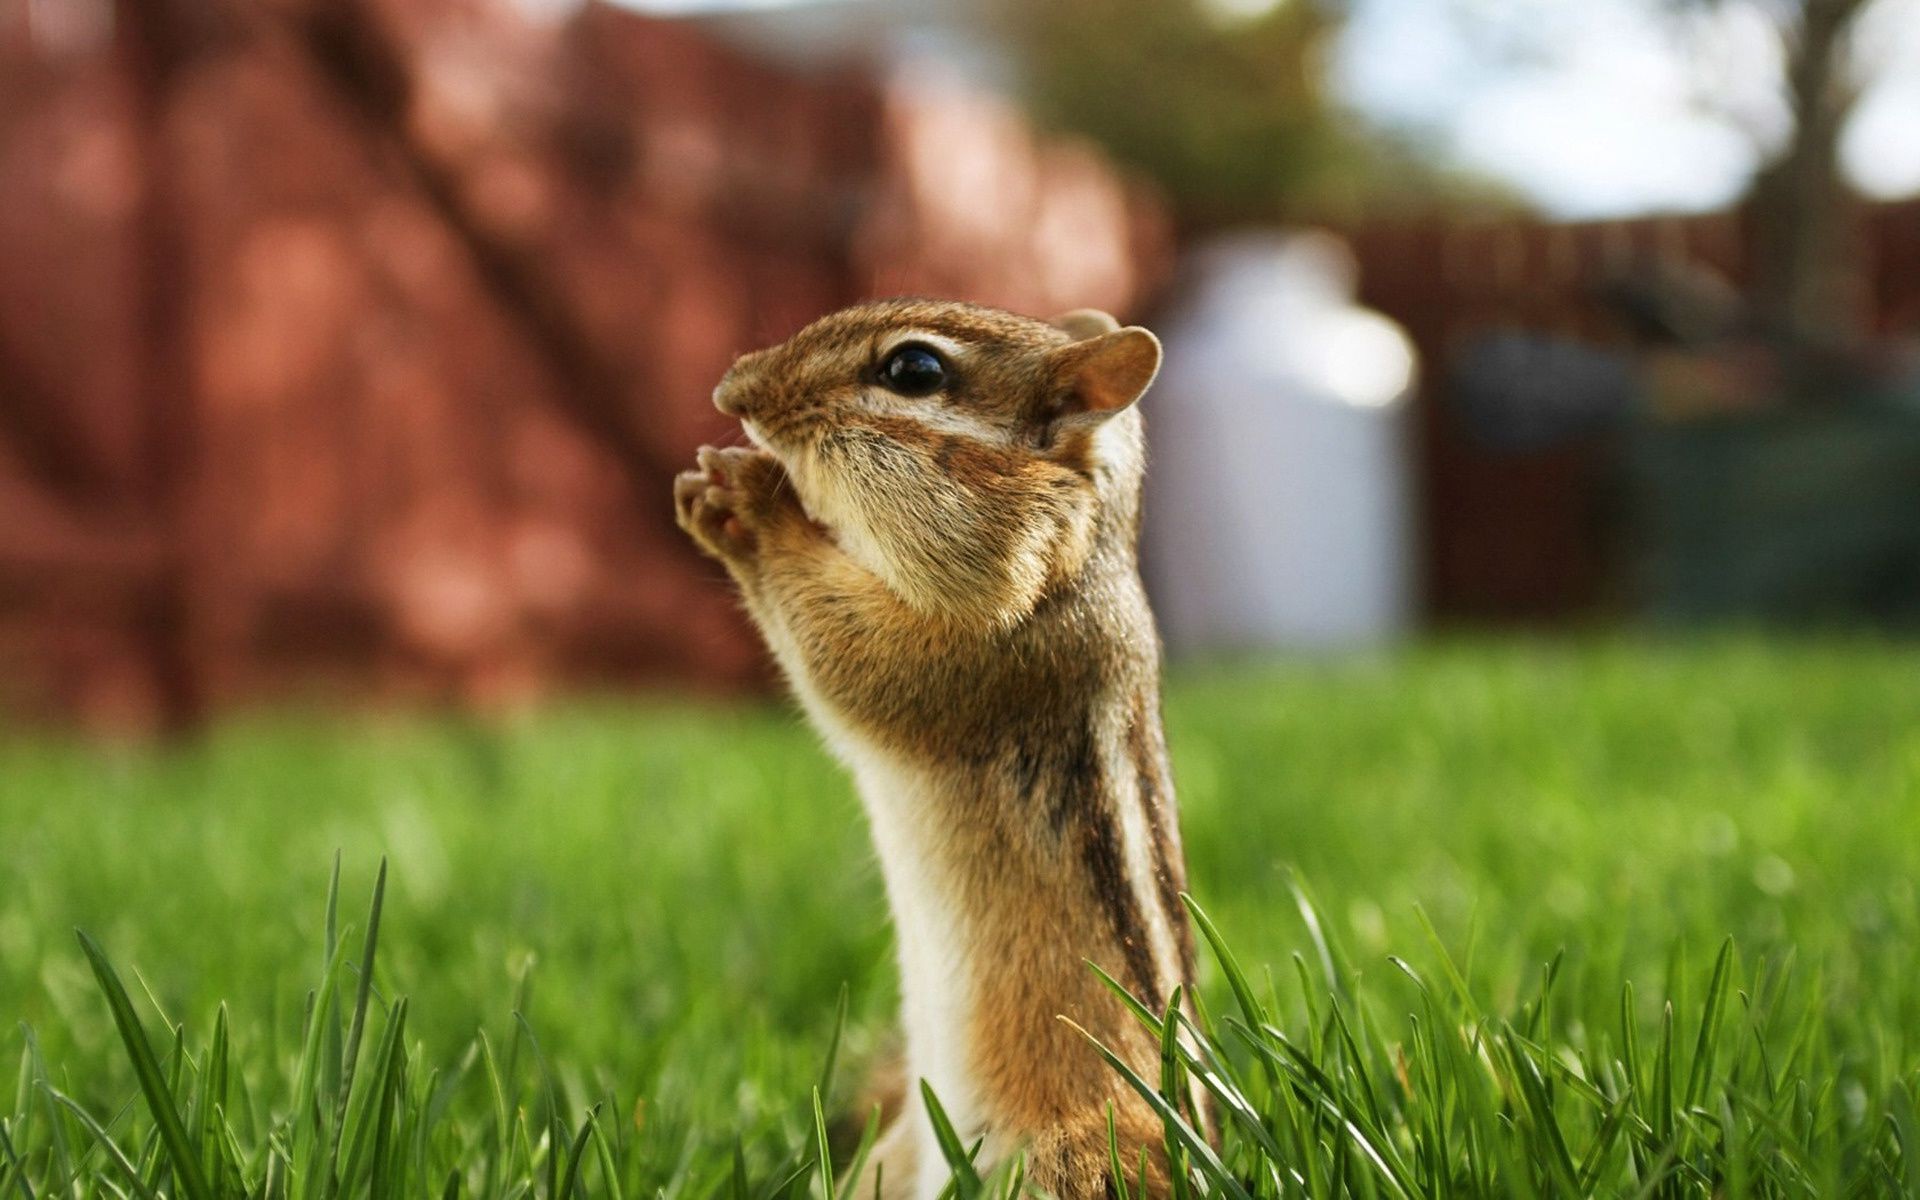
(950, 585)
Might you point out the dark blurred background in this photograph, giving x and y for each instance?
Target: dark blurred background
(347, 347)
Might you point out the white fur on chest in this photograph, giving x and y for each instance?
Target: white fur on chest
(936, 994)
(935, 981)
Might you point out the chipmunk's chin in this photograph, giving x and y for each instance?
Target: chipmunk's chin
(762, 442)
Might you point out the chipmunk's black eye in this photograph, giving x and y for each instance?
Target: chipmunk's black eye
(913, 371)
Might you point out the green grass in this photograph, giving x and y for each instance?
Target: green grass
(622, 931)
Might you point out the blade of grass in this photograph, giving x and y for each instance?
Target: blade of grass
(1706, 1046)
(381, 1172)
(1145, 1015)
(1377, 1148)
(18, 1168)
(822, 1151)
(1250, 1007)
(160, 1103)
(825, 1086)
(57, 1118)
(349, 1063)
(369, 1112)
(104, 1140)
(1117, 1172)
(331, 1036)
(1539, 1108)
(211, 1098)
(570, 1178)
(610, 1174)
(966, 1183)
(1210, 1161)
(1317, 932)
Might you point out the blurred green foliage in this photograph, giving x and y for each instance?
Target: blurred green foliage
(1229, 112)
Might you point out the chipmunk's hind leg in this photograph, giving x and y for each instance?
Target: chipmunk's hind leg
(889, 1173)
(1075, 1162)
(886, 1089)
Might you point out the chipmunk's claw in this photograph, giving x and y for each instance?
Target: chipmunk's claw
(725, 501)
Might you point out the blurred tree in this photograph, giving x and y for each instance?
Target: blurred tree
(1224, 104)
(1806, 281)
(1806, 268)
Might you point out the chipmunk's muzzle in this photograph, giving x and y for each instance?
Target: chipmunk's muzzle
(736, 400)
(753, 392)
(730, 398)
(743, 391)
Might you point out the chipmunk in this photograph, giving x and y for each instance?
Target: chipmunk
(935, 530)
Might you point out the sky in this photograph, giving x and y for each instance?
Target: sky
(1598, 108)
(1616, 107)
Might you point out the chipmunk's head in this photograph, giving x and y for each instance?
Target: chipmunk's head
(966, 455)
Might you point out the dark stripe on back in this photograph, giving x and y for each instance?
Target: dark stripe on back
(1076, 792)
(1145, 747)
(1060, 761)
(1107, 869)
(1056, 761)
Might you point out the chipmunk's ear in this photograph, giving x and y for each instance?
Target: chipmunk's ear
(1083, 323)
(1106, 372)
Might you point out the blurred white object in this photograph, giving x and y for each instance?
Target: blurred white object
(1279, 509)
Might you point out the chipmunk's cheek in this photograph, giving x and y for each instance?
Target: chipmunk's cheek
(812, 485)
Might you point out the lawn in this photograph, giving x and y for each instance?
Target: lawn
(1481, 895)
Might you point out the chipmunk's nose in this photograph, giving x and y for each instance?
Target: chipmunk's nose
(734, 393)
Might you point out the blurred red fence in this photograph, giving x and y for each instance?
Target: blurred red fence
(351, 344)
(1534, 536)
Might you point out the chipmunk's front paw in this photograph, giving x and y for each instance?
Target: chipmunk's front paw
(729, 500)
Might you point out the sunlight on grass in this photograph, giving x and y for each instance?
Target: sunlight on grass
(1617, 918)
